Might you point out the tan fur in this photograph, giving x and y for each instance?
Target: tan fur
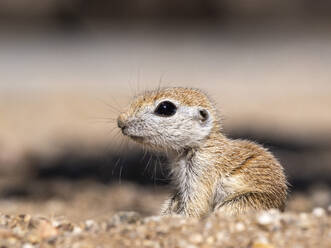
(216, 173)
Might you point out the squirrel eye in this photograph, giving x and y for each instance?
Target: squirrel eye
(165, 109)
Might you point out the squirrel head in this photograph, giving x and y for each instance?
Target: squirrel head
(170, 119)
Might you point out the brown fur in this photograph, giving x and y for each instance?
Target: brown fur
(232, 176)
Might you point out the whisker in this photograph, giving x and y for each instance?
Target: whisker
(102, 118)
(112, 130)
(115, 109)
(154, 178)
(147, 165)
(160, 86)
(116, 164)
(130, 87)
(120, 175)
(138, 80)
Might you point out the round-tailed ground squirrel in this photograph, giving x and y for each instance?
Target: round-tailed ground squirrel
(209, 171)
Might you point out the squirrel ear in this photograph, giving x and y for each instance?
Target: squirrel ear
(203, 115)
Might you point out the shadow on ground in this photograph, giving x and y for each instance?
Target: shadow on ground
(307, 163)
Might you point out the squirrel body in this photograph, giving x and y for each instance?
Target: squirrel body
(209, 171)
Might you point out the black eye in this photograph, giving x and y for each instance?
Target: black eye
(203, 115)
(165, 108)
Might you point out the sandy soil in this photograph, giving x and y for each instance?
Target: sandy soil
(91, 215)
(57, 89)
(62, 94)
(128, 229)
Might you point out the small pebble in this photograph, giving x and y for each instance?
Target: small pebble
(46, 230)
(124, 218)
(240, 227)
(208, 225)
(77, 230)
(265, 218)
(262, 245)
(28, 245)
(153, 218)
(196, 238)
(318, 212)
(210, 240)
(89, 223)
(56, 223)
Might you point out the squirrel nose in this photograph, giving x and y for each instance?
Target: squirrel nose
(121, 122)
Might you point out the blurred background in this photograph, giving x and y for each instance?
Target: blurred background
(68, 68)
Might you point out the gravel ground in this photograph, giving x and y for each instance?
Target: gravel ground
(86, 214)
(129, 229)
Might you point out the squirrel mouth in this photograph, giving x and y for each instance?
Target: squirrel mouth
(137, 138)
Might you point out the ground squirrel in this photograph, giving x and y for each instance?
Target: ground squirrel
(209, 171)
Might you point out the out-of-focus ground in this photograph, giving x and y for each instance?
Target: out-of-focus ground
(87, 200)
(91, 215)
(129, 229)
(62, 154)
(60, 94)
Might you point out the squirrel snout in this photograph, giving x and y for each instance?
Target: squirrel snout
(121, 123)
